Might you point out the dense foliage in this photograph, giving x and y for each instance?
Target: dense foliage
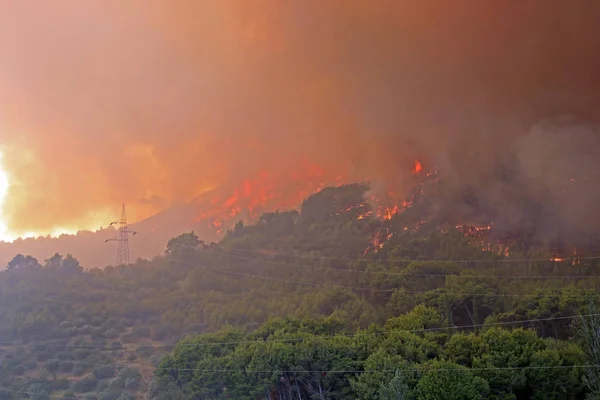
(328, 302)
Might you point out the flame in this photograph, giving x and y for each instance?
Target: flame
(378, 242)
(557, 259)
(418, 167)
(263, 193)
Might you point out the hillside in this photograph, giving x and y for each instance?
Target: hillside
(366, 295)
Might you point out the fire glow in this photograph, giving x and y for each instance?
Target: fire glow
(263, 193)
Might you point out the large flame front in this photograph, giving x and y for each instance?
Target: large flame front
(269, 191)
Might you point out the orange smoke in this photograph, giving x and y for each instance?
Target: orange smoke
(152, 103)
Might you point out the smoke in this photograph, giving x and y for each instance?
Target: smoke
(153, 103)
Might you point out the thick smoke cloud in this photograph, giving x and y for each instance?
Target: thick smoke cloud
(154, 102)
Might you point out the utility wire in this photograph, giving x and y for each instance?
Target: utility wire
(423, 369)
(351, 287)
(408, 261)
(400, 273)
(457, 327)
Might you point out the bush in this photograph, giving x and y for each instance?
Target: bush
(132, 383)
(64, 325)
(30, 364)
(141, 332)
(130, 372)
(60, 384)
(116, 383)
(90, 396)
(18, 370)
(52, 366)
(104, 372)
(131, 357)
(111, 334)
(79, 370)
(115, 344)
(97, 333)
(109, 395)
(86, 384)
(69, 394)
(66, 366)
(43, 355)
(81, 354)
(65, 355)
(86, 330)
(103, 385)
(38, 391)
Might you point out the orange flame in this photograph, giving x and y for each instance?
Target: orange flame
(418, 167)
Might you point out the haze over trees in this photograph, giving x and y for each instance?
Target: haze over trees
(328, 302)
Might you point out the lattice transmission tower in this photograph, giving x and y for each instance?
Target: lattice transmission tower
(122, 238)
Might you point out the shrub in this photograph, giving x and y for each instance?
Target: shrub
(18, 370)
(79, 370)
(43, 355)
(116, 383)
(132, 383)
(60, 384)
(103, 385)
(66, 366)
(104, 372)
(111, 334)
(109, 395)
(81, 354)
(141, 332)
(65, 355)
(86, 384)
(130, 372)
(69, 394)
(30, 364)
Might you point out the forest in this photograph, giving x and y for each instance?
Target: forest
(329, 301)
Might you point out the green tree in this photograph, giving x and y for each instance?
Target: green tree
(448, 381)
(588, 330)
(183, 245)
(396, 389)
(23, 262)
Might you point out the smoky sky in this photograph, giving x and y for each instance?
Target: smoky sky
(154, 102)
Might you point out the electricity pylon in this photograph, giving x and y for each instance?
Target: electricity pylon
(123, 239)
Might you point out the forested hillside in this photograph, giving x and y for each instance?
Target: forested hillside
(328, 302)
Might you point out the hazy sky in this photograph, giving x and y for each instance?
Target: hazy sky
(153, 102)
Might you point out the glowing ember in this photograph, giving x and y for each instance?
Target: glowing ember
(418, 167)
(378, 242)
(557, 259)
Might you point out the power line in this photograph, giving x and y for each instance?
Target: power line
(400, 370)
(122, 238)
(424, 330)
(424, 261)
(351, 287)
(424, 368)
(400, 273)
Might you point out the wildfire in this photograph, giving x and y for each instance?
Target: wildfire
(263, 193)
(418, 167)
(378, 242)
